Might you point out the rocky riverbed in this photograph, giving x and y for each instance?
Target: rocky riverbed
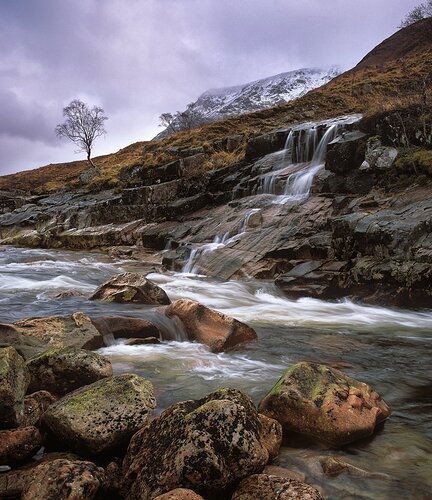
(385, 348)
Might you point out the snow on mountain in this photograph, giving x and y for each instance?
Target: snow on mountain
(216, 104)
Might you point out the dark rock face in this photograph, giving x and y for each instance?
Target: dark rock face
(101, 417)
(324, 404)
(205, 445)
(17, 445)
(14, 380)
(210, 327)
(63, 370)
(131, 287)
(122, 327)
(266, 487)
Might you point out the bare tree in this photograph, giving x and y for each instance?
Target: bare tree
(167, 121)
(82, 126)
(422, 11)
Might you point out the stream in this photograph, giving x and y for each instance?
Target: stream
(388, 348)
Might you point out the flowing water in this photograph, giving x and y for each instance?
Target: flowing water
(389, 348)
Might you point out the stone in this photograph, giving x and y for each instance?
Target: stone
(101, 418)
(324, 404)
(180, 494)
(17, 445)
(275, 470)
(207, 326)
(334, 466)
(271, 436)
(131, 287)
(66, 480)
(147, 341)
(61, 331)
(206, 445)
(378, 156)
(25, 345)
(62, 370)
(35, 405)
(267, 487)
(119, 327)
(14, 380)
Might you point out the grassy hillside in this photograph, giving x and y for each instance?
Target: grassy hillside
(387, 77)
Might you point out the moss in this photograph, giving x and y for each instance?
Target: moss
(415, 161)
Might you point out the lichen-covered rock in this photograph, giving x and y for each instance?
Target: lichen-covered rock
(65, 369)
(180, 494)
(131, 287)
(26, 346)
(19, 444)
(378, 156)
(14, 380)
(205, 445)
(267, 487)
(62, 331)
(65, 480)
(35, 405)
(210, 327)
(102, 416)
(324, 404)
(271, 436)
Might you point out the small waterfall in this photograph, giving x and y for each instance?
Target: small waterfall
(245, 222)
(191, 266)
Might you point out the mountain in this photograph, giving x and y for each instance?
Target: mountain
(217, 104)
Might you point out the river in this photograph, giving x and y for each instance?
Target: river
(389, 348)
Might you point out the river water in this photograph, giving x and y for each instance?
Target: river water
(389, 348)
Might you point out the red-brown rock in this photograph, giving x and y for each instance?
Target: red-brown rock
(19, 444)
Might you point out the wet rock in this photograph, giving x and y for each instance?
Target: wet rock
(267, 487)
(378, 156)
(119, 327)
(35, 405)
(148, 340)
(265, 144)
(14, 380)
(67, 294)
(101, 417)
(65, 479)
(324, 404)
(206, 445)
(27, 347)
(334, 466)
(275, 470)
(65, 369)
(131, 287)
(61, 331)
(271, 436)
(346, 153)
(210, 327)
(180, 494)
(18, 445)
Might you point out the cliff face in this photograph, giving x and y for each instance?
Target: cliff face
(326, 208)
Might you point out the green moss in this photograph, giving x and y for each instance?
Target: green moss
(415, 160)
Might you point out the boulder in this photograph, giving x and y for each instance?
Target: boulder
(267, 487)
(131, 287)
(14, 380)
(271, 436)
(275, 470)
(324, 404)
(35, 405)
(207, 445)
(61, 331)
(17, 445)
(62, 370)
(66, 480)
(180, 494)
(27, 346)
(103, 416)
(210, 327)
(378, 156)
(119, 327)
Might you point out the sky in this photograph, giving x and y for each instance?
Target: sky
(140, 58)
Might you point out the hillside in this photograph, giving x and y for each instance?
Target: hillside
(217, 104)
(389, 74)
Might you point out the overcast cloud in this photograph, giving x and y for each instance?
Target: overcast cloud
(139, 58)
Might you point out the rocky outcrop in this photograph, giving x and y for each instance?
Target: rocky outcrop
(210, 327)
(267, 487)
(324, 404)
(14, 380)
(65, 369)
(101, 417)
(17, 445)
(131, 287)
(205, 445)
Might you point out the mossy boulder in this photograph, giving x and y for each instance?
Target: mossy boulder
(266, 487)
(324, 404)
(17, 445)
(206, 445)
(131, 288)
(65, 369)
(101, 417)
(14, 380)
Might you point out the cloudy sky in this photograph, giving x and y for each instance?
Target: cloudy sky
(139, 58)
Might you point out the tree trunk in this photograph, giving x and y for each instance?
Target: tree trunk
(90, 160)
